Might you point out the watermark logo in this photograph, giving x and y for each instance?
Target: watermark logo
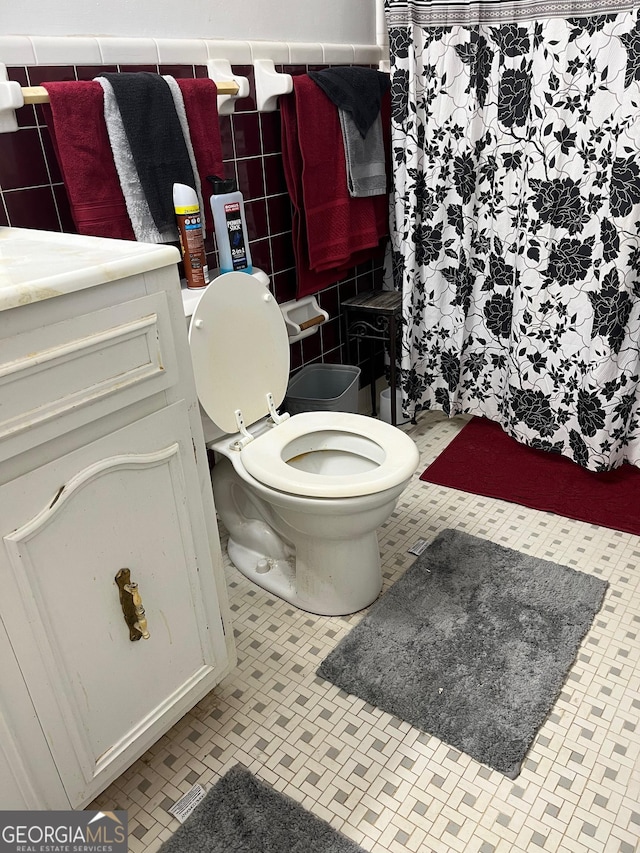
(63, 832)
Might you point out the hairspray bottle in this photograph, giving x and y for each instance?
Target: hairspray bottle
(187, 209)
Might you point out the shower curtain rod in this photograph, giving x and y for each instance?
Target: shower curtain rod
(39, 95)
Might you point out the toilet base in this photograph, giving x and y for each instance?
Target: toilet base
(346, 577)
(320, 556)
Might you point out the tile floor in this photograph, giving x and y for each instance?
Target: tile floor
(383, 783)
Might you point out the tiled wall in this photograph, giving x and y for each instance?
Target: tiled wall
(32, 195)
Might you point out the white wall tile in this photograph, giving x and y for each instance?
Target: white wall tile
(181, 51)
(58, 50)
(366, 54)
(236, 52)
(305, 53)
(278, 51)
(338, 54)
(17, 50)
(125, 51)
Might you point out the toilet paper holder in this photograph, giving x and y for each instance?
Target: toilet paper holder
(302, 317)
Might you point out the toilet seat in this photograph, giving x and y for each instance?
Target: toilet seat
(266, 457)
(239, 350)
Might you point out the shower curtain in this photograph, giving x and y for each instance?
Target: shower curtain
(516, 217)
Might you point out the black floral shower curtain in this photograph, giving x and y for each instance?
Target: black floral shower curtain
(516, 217)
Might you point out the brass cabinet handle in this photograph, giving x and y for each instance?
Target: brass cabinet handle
(132, 607)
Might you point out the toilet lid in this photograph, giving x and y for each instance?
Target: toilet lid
(266, 458)
(239, 349)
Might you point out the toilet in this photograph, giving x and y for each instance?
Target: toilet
(302, 496)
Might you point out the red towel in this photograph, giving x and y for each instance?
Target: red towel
(75, 117)
(332, 231)
(201, 106)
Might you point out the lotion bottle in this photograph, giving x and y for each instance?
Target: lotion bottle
(227, 206)
(187, 209)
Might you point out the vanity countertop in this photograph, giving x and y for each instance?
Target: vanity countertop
(37, 265)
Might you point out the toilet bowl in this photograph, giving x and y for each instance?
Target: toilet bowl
(302, 496)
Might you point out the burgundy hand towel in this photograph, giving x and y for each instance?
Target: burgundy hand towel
(335, 230)
(201, 106)
(308, 281)
(75, 117)
(338, 226)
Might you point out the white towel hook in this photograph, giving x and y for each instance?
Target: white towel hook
(220, 69)
(270, 84)
(10, 100)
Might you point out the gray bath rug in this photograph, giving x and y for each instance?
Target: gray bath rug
(241, 814)
(471, 645)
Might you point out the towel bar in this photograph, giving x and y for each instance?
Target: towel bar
(13, 96)
(39, 95)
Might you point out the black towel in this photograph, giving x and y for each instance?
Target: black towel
(156, 139)
(357, 90)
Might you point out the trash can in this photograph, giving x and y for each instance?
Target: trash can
(384, 407)
(323, 388)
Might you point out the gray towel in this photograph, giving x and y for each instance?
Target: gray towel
(144, 228)
(357, 90)
(178, 100)
(365, 160)
(156, 139)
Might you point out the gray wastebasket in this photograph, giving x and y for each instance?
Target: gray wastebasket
(323, 388)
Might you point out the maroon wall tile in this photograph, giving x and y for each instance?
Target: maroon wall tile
(284, 285)
(311, 348)
(279, 212)
(49, 73)
(50, 156)
(177, 71)
(330, 332)
(88, 72)
(274, 175)
(64, 210)
(226, 137)
(261, 255)
(135, 69)
(250, 177)
(247, 104)
(329, 300)
(246, 135)
(22, 162)
(295, 353)
(270, 133)
(256, 216)
(26, 117)
(32, 208)
(282, 251)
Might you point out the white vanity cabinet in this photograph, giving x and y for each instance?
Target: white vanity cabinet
(102, 469)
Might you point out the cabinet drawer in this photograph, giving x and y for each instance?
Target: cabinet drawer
(53, 378)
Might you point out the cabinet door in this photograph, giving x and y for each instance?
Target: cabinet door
(130, 500)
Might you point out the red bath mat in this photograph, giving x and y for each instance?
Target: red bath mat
(484, 460)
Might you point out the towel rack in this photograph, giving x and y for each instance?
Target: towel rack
(270, 84)
(39, 95)
(13, 96)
